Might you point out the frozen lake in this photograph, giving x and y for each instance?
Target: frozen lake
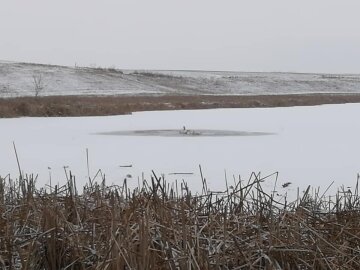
(306, 145)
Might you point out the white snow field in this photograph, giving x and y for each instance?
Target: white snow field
(16, 79)
(306, 145)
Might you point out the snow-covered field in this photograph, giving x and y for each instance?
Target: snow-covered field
(307, 145)
(16, 79)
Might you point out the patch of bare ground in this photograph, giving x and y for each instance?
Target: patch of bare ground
(115, 105)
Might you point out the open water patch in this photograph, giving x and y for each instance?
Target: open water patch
(185, 133)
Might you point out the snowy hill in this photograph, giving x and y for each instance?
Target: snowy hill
(17, 79)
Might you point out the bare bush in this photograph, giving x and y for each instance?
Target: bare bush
(38, 82)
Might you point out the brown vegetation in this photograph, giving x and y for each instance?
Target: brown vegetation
(158, 226)
(113, 105)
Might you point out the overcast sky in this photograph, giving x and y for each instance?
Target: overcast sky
(243, 35)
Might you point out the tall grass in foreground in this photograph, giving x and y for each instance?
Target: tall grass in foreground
(159, 226)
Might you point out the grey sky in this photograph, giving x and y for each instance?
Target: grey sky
(244, 35)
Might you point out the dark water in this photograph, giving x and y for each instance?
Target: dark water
(185, 133)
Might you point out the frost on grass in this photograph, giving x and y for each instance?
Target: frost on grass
(163, 226)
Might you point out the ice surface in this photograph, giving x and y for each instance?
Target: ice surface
(310, 146)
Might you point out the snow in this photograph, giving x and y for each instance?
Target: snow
(306, 145)
(16, 79)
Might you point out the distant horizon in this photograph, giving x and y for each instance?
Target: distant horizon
(174, 70)
(308, 36)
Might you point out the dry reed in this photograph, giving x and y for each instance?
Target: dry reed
(162, 226)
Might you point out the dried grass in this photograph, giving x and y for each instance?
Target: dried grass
(114, 105)
(158, 226)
